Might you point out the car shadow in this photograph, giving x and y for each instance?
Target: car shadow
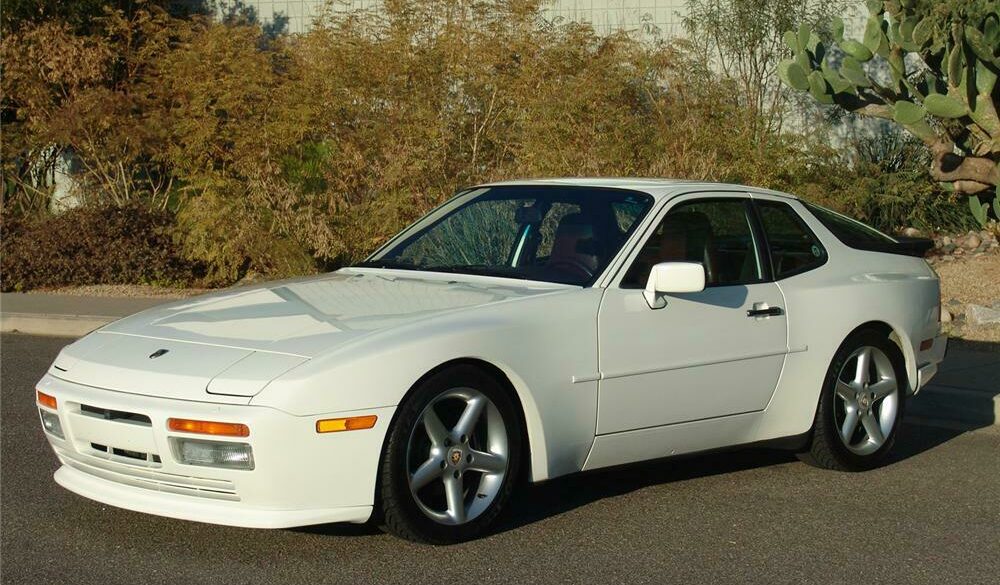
(966, 388)
(971, 367)
(537, 502)
(552, 498)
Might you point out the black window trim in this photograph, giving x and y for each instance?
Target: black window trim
(756, 203)
(763, 256)
(902, 245)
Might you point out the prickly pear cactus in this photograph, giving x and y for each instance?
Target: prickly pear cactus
(929, 65)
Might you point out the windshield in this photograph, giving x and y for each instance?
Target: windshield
(556, 234)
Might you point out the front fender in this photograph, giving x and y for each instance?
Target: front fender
(541, 345)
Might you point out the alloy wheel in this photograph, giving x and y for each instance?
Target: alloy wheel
(457, 456)
(867, 400)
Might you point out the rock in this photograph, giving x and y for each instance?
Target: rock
(912, 232)
(972, 242)
(981, 315)
(948, 248)
(954, 303)
(945, 315)
(946, 241)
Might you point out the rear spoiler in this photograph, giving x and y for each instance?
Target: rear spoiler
(903, 246)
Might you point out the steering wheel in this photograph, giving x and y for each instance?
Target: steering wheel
(573, 265)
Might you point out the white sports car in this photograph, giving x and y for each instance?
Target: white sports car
(522, 330)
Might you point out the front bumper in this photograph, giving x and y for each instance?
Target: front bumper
(299, 478)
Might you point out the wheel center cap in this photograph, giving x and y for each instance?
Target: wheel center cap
(455, 457)
(864, 401)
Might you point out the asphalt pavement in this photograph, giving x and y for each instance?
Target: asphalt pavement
(931, 516)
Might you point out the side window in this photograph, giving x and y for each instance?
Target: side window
(794, 248)
(715, 232)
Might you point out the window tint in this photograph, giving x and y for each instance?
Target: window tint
(553, 219)
(626, 213)
(547, 233)
(483, 235)
(851, 232)
(793, 246)
(716, 233)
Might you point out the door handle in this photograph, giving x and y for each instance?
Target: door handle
(764, 312)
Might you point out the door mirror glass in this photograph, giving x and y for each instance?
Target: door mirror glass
(673, 277)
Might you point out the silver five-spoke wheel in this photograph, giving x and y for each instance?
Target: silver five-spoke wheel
(457, 456)
(867, 400)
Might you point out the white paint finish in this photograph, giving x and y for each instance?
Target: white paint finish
(89, 429)
(300, 476)
(251, 374)
(540, 343)
(355, 341)
(123, 363)
(310, 316)
(657, 358)
(666, 441)
(673, 277)
(182, 507)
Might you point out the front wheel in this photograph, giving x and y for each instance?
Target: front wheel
(451, 459)
(861, 404)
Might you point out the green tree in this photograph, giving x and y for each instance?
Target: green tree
(931, 66)
(742, 41)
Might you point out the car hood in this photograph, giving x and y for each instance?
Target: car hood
(235, 342)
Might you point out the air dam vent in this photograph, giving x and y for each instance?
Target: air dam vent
(116, 415)
(137, 455)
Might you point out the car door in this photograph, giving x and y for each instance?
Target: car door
(703, 355)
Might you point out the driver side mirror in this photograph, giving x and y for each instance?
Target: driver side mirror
(673, 277)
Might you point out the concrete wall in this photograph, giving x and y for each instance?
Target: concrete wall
(606, 15)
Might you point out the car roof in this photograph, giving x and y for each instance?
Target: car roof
(658, 188)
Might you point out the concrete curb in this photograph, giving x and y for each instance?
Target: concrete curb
(52, 325)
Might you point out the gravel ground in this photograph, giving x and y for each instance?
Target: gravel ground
(971, 280)
(123, 290)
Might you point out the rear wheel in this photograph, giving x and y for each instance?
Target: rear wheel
(861, 405)
(452, 458)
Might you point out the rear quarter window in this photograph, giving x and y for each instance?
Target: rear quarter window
(792, 246)
(849, 231)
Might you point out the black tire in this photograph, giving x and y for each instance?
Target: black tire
(399, 512)
(827, 449)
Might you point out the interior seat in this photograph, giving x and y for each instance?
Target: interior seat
(687, 237)
(574, 245)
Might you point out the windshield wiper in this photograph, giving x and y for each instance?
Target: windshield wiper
(477, 269)
(387, 264)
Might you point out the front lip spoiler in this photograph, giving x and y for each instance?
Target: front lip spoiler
(184, 507)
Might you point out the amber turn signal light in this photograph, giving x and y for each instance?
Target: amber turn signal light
(353, 423)
(46, 400)
(207, 427)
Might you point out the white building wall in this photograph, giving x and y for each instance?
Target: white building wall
(605, 15)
